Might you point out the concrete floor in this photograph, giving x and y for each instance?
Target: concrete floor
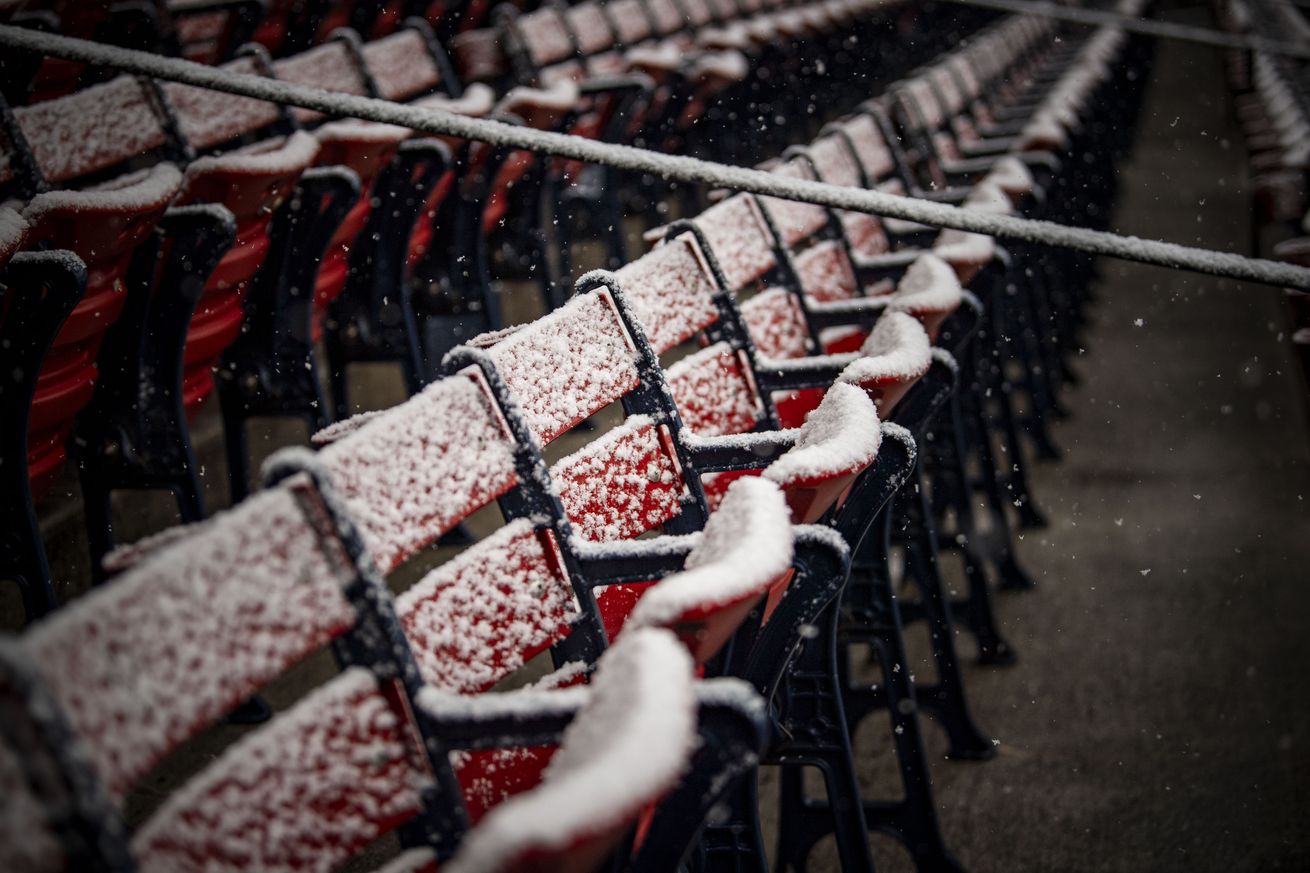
(1158, 716)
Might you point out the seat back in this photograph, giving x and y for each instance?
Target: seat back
(834, 162)
(590, 27)
(204, 618)
(96, 130)
(412, 473)
(403, 64)
(211, 118)
(540, 45)
(336, 65)
(631, 21)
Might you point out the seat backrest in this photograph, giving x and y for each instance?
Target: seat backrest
(639, 720)
(541, 38)
(591, 28)
(202, 621)
(739, 237)
(667, 17)
(191, 630)
(699, 13)
(210, 118)
(795, 221)
(402, 64)
(631, 21)
(835, 163)
(94, 130)
(334, 66)
(412, 473)
(871, 150)
(567, 365)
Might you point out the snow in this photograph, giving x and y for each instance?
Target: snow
(739, 239)
(412, 473)
(91, 130)
(189, 631)
(483, 614)
(560, 96)
(344, 427)
(841, 435)
(412, 861)
(670, 292)
(929, 286)
(729, 65)
(478, 99)
(897, 350)
(712, 392)
(207, 118)
(401, 64)
(746, 546)
(269, 157)
(674, 167)
(352, 130)
(621, 485)
(12, 229)
(138, 192)
(568, 364)
(317, 785)
(663, 55)
(1012, 176)
(533, 700)
(627, 747)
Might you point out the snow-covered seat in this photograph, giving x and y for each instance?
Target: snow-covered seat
(203, 619)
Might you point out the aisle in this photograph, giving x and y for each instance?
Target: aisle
(1159, 718)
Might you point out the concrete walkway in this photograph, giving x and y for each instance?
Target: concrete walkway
(1159, 717)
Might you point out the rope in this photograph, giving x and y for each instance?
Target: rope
(1166, 30)
(682, 169)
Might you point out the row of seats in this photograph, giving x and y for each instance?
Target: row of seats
(1272, 98)
(801, 392)
(247, 205)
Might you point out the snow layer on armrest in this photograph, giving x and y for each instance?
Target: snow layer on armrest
(746, 545)
(841, 435)
(640, 723)
(897, 349)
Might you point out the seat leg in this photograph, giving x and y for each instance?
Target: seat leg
(945, 699)
(815, 726)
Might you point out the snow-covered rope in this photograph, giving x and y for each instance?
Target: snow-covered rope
(673, 167)
(1164, 29)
